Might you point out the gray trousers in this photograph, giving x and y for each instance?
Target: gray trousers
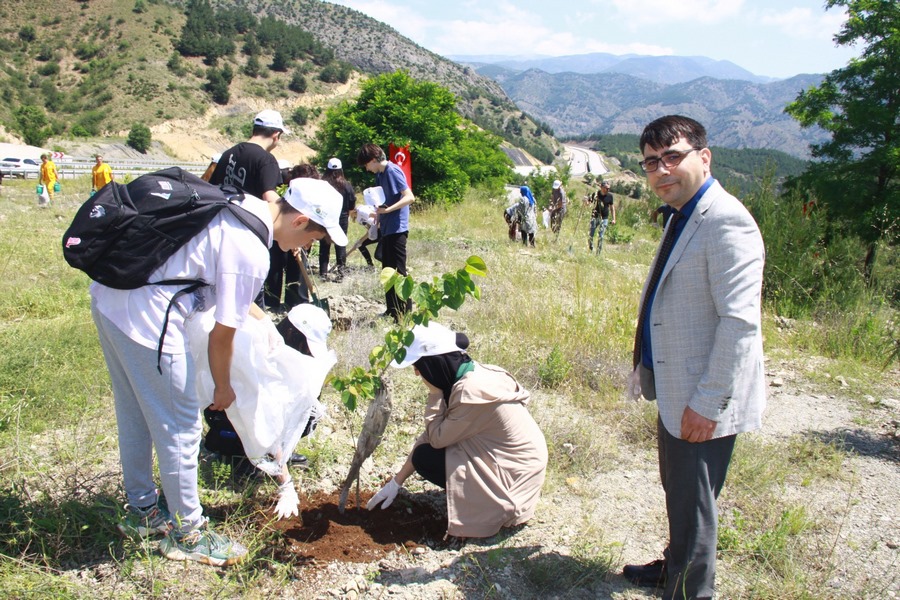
(692, 476)
(159, 411)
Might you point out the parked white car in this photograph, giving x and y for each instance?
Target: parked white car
(20, 167)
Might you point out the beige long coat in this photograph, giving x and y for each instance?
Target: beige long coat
(496, 454)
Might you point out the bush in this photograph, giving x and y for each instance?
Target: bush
(298, 83)
(139, 137)
(335, 73)
(300, 116)
(553, 371)
(49, 69)
(27, 34)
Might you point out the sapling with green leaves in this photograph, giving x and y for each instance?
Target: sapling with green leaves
(449, 290)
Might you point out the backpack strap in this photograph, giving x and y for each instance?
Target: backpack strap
(193, 285)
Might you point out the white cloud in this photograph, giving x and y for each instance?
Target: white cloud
(523, 38)
(804, 23)
(657, 12)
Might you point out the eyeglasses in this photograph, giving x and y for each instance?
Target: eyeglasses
(670, 160)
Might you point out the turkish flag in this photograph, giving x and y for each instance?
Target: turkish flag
(400, 157)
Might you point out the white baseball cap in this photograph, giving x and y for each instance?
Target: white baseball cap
(283, 163)
(334, 164)
(313, 322)
(429, 340)
(270, 118)
(320, 202)
(556, 184)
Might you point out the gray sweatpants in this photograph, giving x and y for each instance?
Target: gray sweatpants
(155, 410)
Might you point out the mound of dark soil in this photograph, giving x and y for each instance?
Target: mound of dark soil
(322, 534)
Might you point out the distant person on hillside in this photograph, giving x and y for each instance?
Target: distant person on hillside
(559, 203)
(334, 174)
(698, 349)
(49, 177)
(393, 217)
(251, 168)
(603, 203)
(526, 219)
(101, 174)
(664, 211)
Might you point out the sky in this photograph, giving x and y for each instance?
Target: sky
(774, 38)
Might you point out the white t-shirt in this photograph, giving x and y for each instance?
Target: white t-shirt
(227, 255)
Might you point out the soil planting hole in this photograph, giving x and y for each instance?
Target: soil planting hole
(322, 534)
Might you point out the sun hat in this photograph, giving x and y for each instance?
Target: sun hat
(429, 340)
(313, 322)
(334, 164)
(556, 184)
(320, 202)
(270, 118)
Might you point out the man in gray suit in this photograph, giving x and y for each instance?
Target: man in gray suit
(698, 348)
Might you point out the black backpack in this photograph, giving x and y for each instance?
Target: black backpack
(124, 232)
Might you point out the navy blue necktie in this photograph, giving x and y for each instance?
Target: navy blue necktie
(664, 250)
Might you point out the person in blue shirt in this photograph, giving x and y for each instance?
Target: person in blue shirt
(393, 217)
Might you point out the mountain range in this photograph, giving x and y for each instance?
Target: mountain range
(738, 113)
(662, 69)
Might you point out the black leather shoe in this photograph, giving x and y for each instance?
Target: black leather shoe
(653, 574)
(299, 460)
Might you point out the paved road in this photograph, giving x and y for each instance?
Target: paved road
(584, 161)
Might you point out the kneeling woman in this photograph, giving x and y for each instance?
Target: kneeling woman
(480, 443)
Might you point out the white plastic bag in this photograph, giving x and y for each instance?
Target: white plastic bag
(547, 218)
(374, 196)
(276, 390)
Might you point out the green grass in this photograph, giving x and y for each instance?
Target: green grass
(558, 318)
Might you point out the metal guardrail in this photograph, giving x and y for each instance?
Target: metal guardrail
(71, 168)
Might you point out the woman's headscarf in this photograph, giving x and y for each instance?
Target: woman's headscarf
(442, 370)
(526, 193)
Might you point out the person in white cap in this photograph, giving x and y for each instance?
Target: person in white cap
(558, 206)
(480, 443)
(161, 409)
(250, 166)
(334, 174)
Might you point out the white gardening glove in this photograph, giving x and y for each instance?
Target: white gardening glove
(633, 385)
(288, 502)
(273, 338)
(387, 493)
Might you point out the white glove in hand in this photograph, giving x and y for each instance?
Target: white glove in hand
(288, 502)
(387, 494)
(273, 338)
(633, 385)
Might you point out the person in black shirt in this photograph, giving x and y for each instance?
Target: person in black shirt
(251, 168)
(603, 202)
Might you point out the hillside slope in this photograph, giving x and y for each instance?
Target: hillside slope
(93, 68)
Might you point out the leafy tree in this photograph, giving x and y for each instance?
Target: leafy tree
(447, 154)
(139, 137)
(281, 61)
(139, 7)
(856, 175)
(252, 68)
(217, 86)
(33, 124)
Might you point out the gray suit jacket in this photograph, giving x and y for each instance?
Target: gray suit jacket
(705, 320)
